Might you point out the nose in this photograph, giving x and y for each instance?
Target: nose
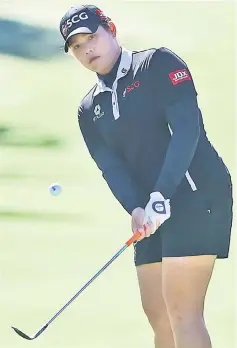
(89, 50)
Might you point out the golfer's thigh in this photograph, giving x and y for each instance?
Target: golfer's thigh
(185, 281)
(150, 283)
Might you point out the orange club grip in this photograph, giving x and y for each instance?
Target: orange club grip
(134, 238)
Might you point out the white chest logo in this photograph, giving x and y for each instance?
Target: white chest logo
(97, 112)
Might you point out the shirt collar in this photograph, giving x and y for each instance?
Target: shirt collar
(124, 67)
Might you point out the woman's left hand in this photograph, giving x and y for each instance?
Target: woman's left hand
(157, 211)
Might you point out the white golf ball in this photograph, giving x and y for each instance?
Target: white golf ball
(55, 189)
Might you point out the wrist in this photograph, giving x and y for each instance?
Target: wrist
(157, 196)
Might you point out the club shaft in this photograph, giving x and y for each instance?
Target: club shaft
(87, 284)
(129, 242)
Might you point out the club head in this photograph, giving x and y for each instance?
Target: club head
(20, 333)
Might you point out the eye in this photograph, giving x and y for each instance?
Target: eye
(91, 37)
(75, 47)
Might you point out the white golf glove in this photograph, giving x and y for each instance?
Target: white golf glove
(157, 211)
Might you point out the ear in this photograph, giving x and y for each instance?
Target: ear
(112, 28)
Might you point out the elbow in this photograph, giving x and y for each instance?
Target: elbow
(187, 127)
(184, 119)
(195, 133)
(195, 128)
(190, 136)
(188, 132)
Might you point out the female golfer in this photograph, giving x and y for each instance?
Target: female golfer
(143, 128)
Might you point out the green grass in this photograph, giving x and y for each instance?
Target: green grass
(28, 138)
(50, 246)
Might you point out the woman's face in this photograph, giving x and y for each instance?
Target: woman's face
(97, 52)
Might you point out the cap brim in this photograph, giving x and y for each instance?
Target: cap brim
(81, 30)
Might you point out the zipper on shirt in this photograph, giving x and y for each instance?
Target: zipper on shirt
(115, 105)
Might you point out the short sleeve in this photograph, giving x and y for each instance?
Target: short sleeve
(171, 77)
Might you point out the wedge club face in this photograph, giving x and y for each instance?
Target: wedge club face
(23, 335)
(20, 333)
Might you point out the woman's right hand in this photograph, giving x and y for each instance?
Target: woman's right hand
(138, 215)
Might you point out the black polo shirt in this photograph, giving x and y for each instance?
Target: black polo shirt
(129, 127)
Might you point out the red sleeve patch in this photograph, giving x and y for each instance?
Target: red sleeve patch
(179, 76)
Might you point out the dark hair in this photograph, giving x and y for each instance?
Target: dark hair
(105, 25)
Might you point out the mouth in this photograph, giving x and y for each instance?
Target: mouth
(91, 60)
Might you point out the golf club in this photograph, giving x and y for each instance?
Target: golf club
(133, 239)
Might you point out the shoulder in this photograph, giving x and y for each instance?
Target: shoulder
(166, 57)
(144, 55)
(157, 59)
(86, 102)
